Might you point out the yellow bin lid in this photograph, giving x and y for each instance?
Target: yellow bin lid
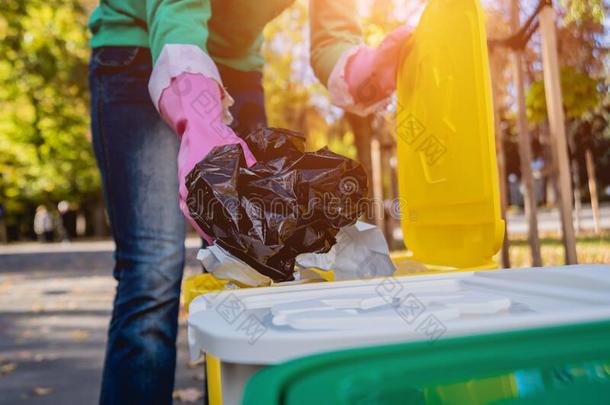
(447, 169)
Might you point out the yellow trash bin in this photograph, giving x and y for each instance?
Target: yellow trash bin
(447, 170)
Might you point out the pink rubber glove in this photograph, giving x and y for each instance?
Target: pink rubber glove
(192, 106)
(371, 72)
(364, 77)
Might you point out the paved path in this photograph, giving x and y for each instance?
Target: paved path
(548, 220)
(55, 303)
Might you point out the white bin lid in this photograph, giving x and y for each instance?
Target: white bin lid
(274, 324)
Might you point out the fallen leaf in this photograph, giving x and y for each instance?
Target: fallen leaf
(182, 316)
(23, 355)
(38, 357)
(188, 395)
(79, 335)
(26, 334)
(197, 363)
(40, 391)
(71, 305)
(5, 285)
(7, 368)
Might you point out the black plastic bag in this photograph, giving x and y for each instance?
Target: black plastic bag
(289, 202)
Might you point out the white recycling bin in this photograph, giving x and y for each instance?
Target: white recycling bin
(250, 328)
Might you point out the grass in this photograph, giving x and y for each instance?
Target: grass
(589, 248)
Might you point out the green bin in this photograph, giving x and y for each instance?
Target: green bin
(567, 364)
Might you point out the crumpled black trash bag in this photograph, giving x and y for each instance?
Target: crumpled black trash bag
(289, 202)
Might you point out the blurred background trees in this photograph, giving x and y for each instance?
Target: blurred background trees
(45, 152)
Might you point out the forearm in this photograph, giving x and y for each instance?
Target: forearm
(360, 79)
(334, 30)
(178, 33)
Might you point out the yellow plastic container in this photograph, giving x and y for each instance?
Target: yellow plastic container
(199, 284)
(447, 170)
(193, 287)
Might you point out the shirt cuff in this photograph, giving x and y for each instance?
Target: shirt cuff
(176, 59)
(339, 88)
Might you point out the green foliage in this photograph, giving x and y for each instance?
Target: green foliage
(45, 151)
(592, 131)
(580, 10)
(294, 98)
(579, 92)
(287, 95)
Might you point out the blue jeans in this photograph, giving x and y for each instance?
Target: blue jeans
(136, 153)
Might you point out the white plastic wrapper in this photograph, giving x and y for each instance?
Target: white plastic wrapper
(361, 252)
(224, 266)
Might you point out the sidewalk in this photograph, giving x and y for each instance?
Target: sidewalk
(548, 220)
(55, 303)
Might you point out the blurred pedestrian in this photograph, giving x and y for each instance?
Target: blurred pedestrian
(3, 236)
(43, 224)
(65, 221)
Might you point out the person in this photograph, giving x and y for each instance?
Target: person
(43, 224)
(3, 235)
(66, 221)
(170, 80)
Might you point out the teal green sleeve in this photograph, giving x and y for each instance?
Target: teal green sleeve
(177, 22)
(334, 29)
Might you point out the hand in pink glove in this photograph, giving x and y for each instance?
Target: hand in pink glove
(371, 73)
(192, 106)
(368, 75)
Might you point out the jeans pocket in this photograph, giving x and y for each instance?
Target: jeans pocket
(123, 73)
(114, 56)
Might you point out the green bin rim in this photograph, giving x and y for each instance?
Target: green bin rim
(459, 358)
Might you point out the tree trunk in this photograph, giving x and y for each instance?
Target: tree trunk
(377, 184)
(505, 254)
(576, 183)
(557, 128)
(525, 148)
(592, 189)
(577, 196)
(389, 177)
(363, 135)
(362, 127)
(99, 220)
